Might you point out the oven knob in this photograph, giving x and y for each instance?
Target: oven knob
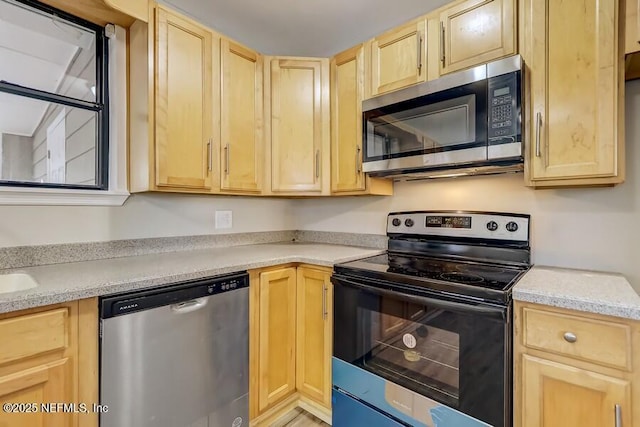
(408, 222)
(396, 222)
(512, 226)
(492, 226)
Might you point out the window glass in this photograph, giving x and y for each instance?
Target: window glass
(53, 122)
(44, 142)
(45, 52)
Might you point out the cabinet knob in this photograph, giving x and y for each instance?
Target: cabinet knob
(570, 337)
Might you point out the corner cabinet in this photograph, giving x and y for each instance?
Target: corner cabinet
(398, 58)
(574, 369)
(291, 341)
(241, 140)
(298, 130)
(314, 324)
(172, 62)
(277, 336)
(347, 93)
(49, 355)
(575, 111)
(474, 32)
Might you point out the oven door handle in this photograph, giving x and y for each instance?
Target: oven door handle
(479, 309)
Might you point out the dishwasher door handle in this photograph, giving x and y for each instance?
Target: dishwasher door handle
(189, 306)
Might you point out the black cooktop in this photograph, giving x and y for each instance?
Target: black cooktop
(487, 281)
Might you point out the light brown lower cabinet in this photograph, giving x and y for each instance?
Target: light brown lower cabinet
(574, 369)
(291, 325)
(49, 356)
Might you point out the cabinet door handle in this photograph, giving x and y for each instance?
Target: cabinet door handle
(570, 337)
(419, 55)
(442, 43)
(358, 160)
(618, 412)
(226, 159)
(317, 164)
(324, 302)
(538, 131)
(210, 155)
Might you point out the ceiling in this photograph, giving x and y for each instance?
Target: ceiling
(35, 51)
(303, 27)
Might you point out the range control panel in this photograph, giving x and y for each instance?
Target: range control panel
(490, 225)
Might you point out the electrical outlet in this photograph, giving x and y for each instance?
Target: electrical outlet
(224, 219)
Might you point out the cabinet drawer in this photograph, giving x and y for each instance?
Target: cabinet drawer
(604, 343)
(33, 334)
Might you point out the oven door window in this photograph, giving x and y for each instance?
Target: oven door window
(444, 121)
(413, 346)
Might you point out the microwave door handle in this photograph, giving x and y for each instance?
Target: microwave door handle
(494, 312)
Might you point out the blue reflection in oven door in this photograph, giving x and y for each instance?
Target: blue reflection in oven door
(399, 404)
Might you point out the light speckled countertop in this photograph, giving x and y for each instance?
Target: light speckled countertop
(77, 280)
(593, 292)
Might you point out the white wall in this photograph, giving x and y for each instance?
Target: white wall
(16, 157)
(149, 215)
(596, 228)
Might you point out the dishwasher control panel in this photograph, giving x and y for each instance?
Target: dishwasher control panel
(228, 285)
(182, 293)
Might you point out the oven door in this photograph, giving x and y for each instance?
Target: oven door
(447, 127)
(454, 352)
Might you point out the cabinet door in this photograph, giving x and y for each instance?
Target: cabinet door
(397, 58)
(277, 337)
(347, 92)
(557, 395)
(632, 27)
(42, 384)
(314, 335)
(297, 128)
(575, 92)
(476, 31)
(241, 121)
(183, 125)
(38, 365)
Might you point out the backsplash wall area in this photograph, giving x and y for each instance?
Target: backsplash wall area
(597, 229)
(142, 216)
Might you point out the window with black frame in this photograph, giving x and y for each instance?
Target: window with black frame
(53, 98)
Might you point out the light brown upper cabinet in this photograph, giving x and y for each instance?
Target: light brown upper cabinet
(474, 32)
(183, 131)
(398, 58)
(575, 109)
(135, 8)
(103, 12)
(172, 63)
(347, 93)
(241, 141)
(299, 125)
(632, 40)
(632, 29)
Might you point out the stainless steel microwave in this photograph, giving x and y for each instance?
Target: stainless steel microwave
(464, 123)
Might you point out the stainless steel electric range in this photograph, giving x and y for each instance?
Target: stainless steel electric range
(422, 334)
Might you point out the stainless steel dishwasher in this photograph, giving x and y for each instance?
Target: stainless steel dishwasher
(177, 356)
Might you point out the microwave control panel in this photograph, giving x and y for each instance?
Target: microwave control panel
(504, 113)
